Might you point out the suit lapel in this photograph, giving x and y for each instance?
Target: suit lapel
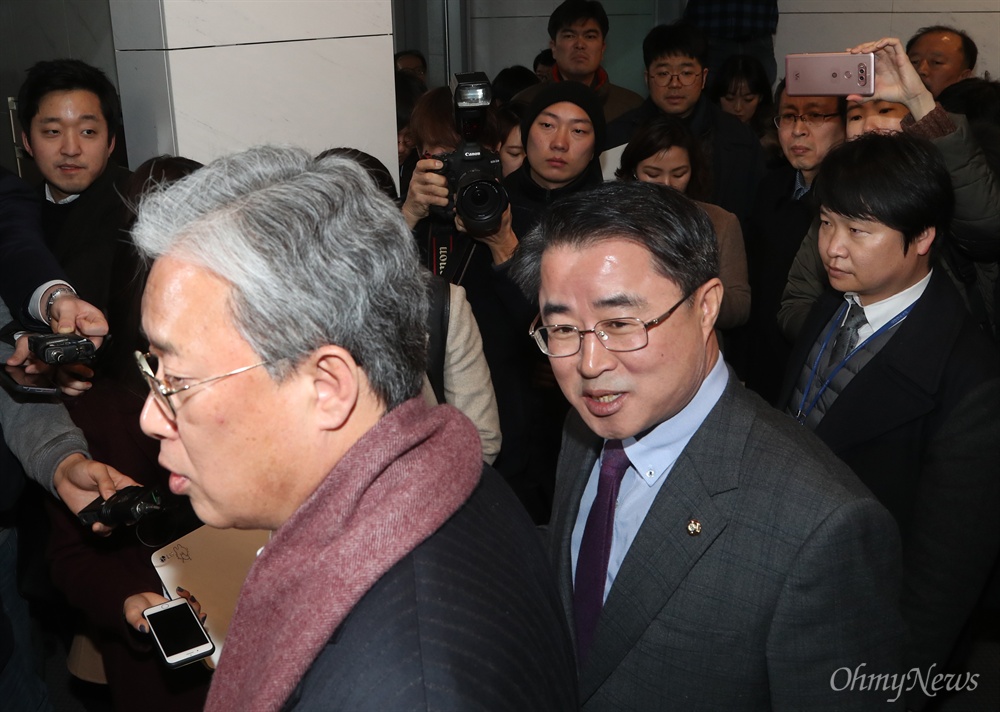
(663, 551)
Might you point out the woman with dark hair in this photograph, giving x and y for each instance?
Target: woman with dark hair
(663, 151)
(511, 151)
(742, 89)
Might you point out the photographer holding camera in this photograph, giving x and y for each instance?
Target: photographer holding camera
(466, 233)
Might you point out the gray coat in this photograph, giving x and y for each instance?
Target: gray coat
(39, 433)
(793, 576)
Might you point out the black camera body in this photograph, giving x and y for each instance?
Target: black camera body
(473, 171)
(126, 507)
(61, 348)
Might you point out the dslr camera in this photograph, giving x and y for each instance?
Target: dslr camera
(473, 172)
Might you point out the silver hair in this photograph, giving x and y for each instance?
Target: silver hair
(315, 255)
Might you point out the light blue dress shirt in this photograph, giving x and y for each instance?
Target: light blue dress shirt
(651, 460)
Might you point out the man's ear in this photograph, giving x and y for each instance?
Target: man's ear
(704, 78)
(708, 301)
(111, 146)
(552, 45)
(924, 240)
(27, 144)
(337, 383)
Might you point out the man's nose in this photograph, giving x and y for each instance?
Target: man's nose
(154, 421)
(594, 358)
(835, 243)
(560, 139)
(70, 145)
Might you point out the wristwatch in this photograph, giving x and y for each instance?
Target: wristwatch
(56, 293)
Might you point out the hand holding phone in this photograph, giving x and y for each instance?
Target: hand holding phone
(16, 379)
(179, 635)
(895, 78)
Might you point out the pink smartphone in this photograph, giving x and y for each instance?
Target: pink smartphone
(830, 74)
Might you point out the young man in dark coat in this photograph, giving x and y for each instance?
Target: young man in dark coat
(892, 373)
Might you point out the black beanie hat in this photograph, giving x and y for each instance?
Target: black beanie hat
(575, 93)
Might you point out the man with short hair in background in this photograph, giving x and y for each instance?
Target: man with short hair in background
(676, 74)
(942, 56)
(69, 115)
(808, 127)
(578, 32)
(892, 373)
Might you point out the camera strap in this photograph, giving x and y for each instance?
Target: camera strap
(448, 252)
(437, 334)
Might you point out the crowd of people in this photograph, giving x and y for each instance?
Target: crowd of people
(768, 482)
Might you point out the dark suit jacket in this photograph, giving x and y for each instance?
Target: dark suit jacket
(920, 425)
(774, 232)
(469, 620)
(25, 263)
(793, 576)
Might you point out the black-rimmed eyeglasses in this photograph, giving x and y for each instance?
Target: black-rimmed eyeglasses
(686, 77)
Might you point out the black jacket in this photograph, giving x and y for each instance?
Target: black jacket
(481, 582)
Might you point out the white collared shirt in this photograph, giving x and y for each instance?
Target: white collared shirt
(878, 314)
(65, 201)
(651, 460)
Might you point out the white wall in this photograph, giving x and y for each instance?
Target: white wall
(825, 26)
(505, 32)
(210, 77)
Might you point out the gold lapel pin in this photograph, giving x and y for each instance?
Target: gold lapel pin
(694, 527)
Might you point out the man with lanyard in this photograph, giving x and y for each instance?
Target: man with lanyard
(895, 376)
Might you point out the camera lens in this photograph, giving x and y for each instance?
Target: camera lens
(481, 205)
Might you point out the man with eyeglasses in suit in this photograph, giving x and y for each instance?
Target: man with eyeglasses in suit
(808, 128)
(709, 553)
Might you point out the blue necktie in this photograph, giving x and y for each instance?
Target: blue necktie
(595, 547)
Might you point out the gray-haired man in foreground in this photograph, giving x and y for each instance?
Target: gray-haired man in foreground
(285, 313)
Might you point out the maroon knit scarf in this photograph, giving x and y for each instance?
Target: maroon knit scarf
(395, 487)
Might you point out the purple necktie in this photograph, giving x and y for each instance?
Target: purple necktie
(595, 547)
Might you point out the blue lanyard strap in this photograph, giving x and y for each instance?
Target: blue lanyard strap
(803, 411)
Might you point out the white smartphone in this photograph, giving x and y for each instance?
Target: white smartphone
(178, 633)
(830, 74)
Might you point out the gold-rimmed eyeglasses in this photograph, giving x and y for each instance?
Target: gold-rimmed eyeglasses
(627, 333)
(149, 363)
